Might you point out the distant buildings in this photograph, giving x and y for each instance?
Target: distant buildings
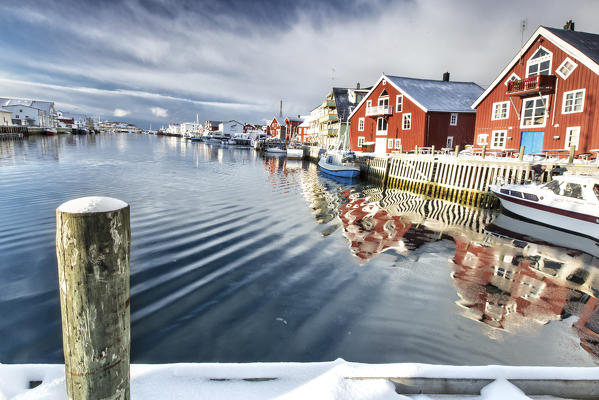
(33, 113)
(5, 117)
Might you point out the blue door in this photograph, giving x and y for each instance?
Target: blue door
(532, 142)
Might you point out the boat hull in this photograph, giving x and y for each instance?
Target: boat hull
(568, 221)
(295, 154)
(343, 171)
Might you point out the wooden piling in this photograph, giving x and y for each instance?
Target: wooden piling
(93, 246)
(571, 154)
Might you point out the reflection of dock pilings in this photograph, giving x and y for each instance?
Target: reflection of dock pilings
(460, 180)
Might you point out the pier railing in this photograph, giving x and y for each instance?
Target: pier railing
(462, 180)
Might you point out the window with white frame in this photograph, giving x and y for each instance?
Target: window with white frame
(573, 101)
(381, 126)
(572, 137)
(360, 141)
(539, 63)
(498, 139)
(449, 142)
(453, 119)
(513, 77)
(501, 110)
(368, 103)
(566, 68)
(407, 122)
(398, 144)
(534, 112)
(361, 124)
(389, 143)
(482, 139)
(398, 103)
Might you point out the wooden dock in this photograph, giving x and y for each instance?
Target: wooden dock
(447, 176)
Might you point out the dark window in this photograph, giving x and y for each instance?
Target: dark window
(553, 186)
(573, 190)
(596, 191)
(530, 196)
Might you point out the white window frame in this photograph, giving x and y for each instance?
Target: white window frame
(494, 137)
(398, 143)
(513, 77)
(530, 61)
(565, 76)
(381, 132)
(361, 140)
(361, 123)
(453, 119)
(368, 103)
(568, 138)
(384, 82)
(447, 144)
(482, 139)
(522, 117)
(504, 105)
(406, 122)
(389, 143)
(399, 103)
(573, 92)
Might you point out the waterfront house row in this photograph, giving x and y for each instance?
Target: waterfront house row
(546, 97)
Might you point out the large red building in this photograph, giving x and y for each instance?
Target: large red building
(546, 97)
(401, 112)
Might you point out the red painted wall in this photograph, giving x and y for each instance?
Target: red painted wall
(427, 129)
(556, 123)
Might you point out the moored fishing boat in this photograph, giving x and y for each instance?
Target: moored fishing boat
(569, 203)
(49, 131)
(295, 154)
(339, 165)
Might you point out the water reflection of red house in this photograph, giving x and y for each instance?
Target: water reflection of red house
(370, 228)
(587, 326)
(499, 289)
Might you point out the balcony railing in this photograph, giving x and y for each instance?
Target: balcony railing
(532, 85)
(379, 110)
(328, 103)
(328, 117)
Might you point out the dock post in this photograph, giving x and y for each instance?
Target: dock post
(93, 242)
(521, 154)
(484, 154)
(571, 154)
(457, 151)
(416, 150)
(386, 176)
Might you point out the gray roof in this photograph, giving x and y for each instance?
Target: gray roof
(40, 105)
(344, 106)
(588, 43)
(441, 96)
(294, 119)
(4, 110)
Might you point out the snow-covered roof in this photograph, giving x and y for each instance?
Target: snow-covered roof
(4, 110)
(442, 96)
(581, 46)
(295, 119)
(39, 105)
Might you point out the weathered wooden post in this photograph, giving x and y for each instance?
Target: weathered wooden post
(93, 242)
(416, 150)
(457, 151)
(484, 154)
(571, 154)
(521, 153)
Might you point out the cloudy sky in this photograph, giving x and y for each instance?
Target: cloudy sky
(160, 61)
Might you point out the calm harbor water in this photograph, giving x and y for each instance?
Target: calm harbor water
(239, 258)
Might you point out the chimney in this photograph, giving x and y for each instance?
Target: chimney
(569, 25)
(358, 85)
(446, 77)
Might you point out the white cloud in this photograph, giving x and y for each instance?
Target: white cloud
(119, 112)
(159, 112)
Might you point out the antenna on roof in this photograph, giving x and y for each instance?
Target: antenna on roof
(523, 24)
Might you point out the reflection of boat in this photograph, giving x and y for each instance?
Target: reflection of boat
(335, 164)
(569, 203)
(510, 225)
(295, 154)
(195, 138)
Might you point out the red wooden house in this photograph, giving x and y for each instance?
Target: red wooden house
(275, 126)
(546, 97)
(284, 128)
(292, 125)
(401, 112)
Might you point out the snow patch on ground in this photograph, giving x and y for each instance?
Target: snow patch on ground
(328, 380)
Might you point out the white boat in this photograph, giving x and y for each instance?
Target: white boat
(569, 203)
(337, 165)
(276, 150)
(295, 154)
